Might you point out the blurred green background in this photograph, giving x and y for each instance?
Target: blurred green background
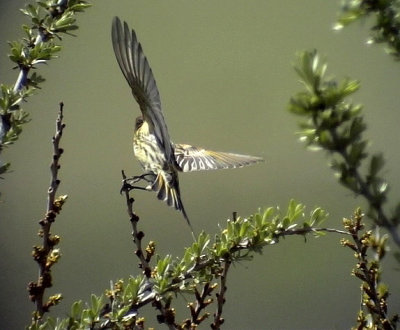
(224, 71)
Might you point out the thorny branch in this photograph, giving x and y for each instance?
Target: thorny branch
(202, 301)
(219, 266)
(138, 235)
(46, 255)
(218, 320)
(365, 190)
(373, 312)
(167, 315)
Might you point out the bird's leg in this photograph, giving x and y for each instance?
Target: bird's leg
(145, 177)
(128, 183)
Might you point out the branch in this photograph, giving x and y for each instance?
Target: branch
(336, 126)
(49, 20)
(374, 293)
(195, 273)
(218, 320)
(387, 22)
(46, 255)
(138, 235)
(167, 314)
(202, 301)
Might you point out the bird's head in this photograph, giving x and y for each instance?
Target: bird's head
(138, 122)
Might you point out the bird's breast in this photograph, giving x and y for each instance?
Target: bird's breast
(147, 150)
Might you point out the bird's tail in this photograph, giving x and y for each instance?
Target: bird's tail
(168, 191)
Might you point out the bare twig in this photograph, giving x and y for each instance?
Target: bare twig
(167, 314)
(138, 235)
(218, 320)
(45, 255)
(308, 230)
(374, 308)
(202, 301)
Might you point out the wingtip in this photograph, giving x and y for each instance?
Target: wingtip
(115, 23)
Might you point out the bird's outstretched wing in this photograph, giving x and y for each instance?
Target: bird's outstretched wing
(137, 71)
(190, 158)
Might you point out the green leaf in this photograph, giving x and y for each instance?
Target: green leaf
(317, 216)
(268, 213)
(31, 11)
(97, 305)
(163, 265)
(4, 168)
(16, 52)
(76, 310)
(244, 228)
(356, 128)
(376, 165)
(285, 223)
(79, 7)
(349, 87)
(295, 210)
(357, 153)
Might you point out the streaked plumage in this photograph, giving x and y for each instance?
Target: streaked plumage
(159, 157)
(190, 159)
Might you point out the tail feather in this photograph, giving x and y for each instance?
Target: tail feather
(168, 191)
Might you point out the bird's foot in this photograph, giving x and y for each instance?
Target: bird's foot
(128, 183)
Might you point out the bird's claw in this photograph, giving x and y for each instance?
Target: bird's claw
(128, 183)
(126, 187)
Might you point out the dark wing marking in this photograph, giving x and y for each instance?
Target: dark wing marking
(191, 159)
(137, 71)
(168, 191)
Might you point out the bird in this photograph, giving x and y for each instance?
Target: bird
(160, 158)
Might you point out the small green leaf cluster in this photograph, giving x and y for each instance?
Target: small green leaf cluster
(386, 28)
(79, 318)
(331, 122)
(334, 124)
(264, 228)
(26, 57)
(10, 121)
(52, 17)
(49, 19)
(195, 274)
